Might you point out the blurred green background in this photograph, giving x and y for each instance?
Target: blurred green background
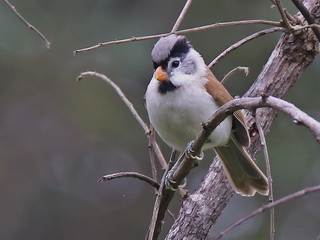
(59, 136)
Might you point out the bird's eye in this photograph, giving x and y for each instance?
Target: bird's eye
(175, 64)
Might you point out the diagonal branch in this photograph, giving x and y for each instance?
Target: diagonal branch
(241, 42)
(266, 207)
(27, 23)
(181, 16)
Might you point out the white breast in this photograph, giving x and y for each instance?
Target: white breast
(177, 115)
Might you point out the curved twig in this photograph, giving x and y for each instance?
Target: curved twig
(132, 175)
(243, 41)
(131, 108)
(228, 75)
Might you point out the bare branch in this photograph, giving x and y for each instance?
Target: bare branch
(307, 15)
(131, 108)
(27, 23)
(243, 41)
(189, 30)
(181, 16)
(131, 175)
(262, 209)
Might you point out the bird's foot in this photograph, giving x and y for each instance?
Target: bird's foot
(190, 153)
(171, 184)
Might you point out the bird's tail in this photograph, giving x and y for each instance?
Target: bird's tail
(244, 175)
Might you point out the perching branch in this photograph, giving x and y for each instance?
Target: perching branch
(27, 23)
(272, 205)
(131, 175)
(299, 118)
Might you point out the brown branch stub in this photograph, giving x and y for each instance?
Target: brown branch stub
(131, 175)
(27, 23)
(308, 16)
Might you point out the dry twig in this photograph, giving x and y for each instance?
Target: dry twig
(131, 175)
(189, 30)
(230, 73)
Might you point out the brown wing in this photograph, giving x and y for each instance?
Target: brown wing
(222, 96)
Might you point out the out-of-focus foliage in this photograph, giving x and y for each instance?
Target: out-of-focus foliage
(58, 136)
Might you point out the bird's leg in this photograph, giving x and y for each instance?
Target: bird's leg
(170, 181)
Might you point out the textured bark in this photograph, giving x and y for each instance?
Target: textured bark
(292, 54)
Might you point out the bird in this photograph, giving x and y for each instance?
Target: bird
(182, 94)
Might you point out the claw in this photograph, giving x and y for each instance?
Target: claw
(169, 182)
(191, 154)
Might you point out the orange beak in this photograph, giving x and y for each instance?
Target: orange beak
(160, 74)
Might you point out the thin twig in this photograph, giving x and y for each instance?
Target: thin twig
(230, 73)
(27, 23)
(243, 41)
(181, 16)
(285, 21)
(131, 175)
(268, 168)
(189, 30)
(308, 16)
(151, 154)
(131, 108)
(262, 209)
